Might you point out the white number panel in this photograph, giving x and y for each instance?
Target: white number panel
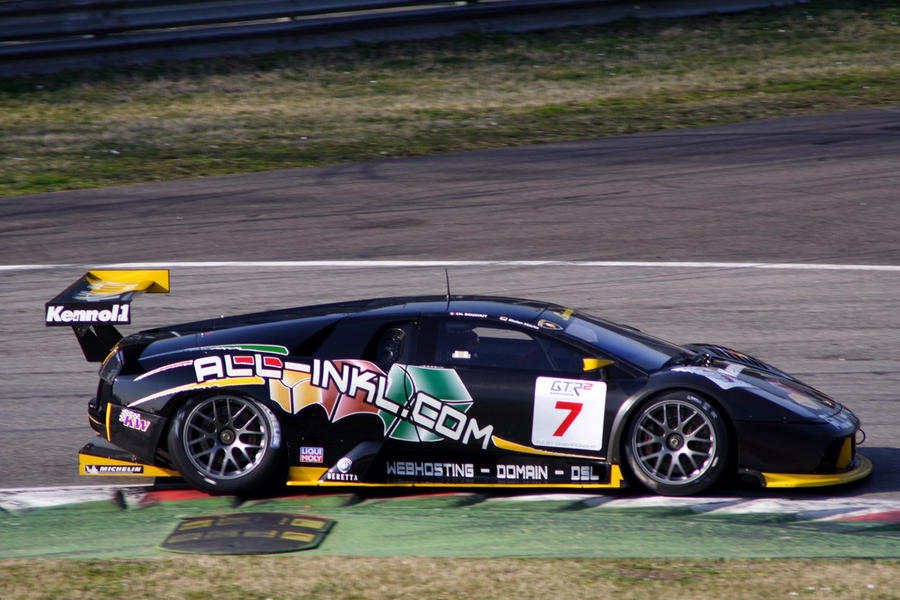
(568, 413)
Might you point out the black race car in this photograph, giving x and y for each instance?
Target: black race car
(442, 391)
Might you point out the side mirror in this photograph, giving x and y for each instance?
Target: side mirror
(595, 364)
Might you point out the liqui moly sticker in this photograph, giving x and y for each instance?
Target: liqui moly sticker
(312, 454)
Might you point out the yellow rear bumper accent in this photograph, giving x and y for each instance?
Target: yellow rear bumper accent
(791, 480)
(305, 475)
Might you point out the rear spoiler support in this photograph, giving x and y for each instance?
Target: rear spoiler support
(96, 340)
(99, 301)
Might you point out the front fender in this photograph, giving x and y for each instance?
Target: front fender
(656, 385)
(739, 403)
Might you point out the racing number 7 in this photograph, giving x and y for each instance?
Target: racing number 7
(574, 409)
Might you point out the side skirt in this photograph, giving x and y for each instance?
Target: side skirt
(319, 477)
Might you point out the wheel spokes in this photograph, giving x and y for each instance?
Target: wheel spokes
(674, 442)
(225, 436)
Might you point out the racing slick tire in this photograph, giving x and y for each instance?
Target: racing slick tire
(677, 444)
(226, 444)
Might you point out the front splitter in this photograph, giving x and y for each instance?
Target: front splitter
(802, 480)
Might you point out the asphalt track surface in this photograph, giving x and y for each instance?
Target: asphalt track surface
(810, 191)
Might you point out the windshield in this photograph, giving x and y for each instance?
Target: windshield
(642, 350)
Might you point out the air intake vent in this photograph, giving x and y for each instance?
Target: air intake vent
(735, 356)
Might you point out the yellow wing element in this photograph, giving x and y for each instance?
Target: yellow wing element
(116, 282)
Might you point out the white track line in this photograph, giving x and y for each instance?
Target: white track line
(825, 509)
(16, 499)
(408, 264)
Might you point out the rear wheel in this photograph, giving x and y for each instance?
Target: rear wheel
(677, 444)
(225, 444)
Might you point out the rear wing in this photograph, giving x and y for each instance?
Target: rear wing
(97, 302)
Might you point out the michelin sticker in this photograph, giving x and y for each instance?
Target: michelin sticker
(568, 413)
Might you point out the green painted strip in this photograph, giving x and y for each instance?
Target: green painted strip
(460, 526)
(270, 348)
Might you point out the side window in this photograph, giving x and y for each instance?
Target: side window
(468, 343)
(391, 344)
(564, 357)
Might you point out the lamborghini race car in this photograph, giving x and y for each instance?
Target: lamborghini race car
(440, 391)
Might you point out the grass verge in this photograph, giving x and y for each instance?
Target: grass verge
(450, 546)
(472, 91)
(335, 578)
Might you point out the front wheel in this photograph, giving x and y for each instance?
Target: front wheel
(677, 445)
(225, 444)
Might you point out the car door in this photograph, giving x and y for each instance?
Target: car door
(529, 389)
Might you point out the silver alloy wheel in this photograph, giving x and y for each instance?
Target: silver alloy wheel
(674, 442)
(225, 437)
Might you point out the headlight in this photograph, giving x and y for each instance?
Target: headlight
(111, 367)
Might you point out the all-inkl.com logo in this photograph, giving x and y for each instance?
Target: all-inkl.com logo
(430, 405)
